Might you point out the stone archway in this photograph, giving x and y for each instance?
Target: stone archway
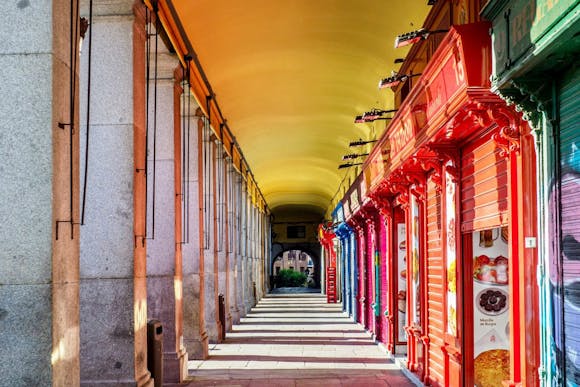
(312, 251)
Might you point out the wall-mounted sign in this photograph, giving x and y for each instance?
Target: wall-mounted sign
(451, 253)
(414, 264)
(402, 281)
(491, 329)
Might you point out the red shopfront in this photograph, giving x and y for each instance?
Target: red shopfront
(460, 163)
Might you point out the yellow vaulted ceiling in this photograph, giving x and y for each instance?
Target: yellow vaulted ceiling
(290, 76)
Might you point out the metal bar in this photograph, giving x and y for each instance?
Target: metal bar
(187, 219)
(147, 75)
(155, 124)
(88, 111)
(182, 168)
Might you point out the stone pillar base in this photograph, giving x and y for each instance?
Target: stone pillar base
(174, 366)
(197, 349)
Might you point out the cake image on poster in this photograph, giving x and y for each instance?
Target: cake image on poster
(491, 368)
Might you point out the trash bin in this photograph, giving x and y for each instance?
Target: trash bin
(155, 351)
(222, 316)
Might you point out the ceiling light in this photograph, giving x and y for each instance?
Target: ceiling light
(414, 37)
(348, 165)
(354, 156)
(373, 115)
(361, 142)
(395, 80)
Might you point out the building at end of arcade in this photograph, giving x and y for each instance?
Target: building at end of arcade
(457, 244)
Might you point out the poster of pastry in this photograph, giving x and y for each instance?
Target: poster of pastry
(402, 281)
(450, 253)
(415, 282)
(491, 305)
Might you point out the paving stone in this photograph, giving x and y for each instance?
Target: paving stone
(296, 340)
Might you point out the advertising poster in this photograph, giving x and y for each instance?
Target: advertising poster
(490, 310)
(415, 281)
(451, 255)
(402, 280)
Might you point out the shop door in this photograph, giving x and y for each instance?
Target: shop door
(485, 293)
(565, 276)
(435, 289)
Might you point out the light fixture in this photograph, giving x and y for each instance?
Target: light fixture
(414, 37)
(354, 156)
(348, 165)
(359, 120)
(361, 142)
(399, 60)
(373, 115)
(395, 80)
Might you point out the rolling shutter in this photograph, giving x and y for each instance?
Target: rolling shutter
(569, 108)
(435, 328)
(484, 185)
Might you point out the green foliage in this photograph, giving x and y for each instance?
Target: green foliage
(291, 278)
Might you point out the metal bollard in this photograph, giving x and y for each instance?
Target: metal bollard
(155, 351)
(222, 316)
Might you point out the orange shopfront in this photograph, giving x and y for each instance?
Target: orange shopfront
(460, 165)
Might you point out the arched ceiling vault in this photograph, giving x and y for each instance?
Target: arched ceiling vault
(291, 75)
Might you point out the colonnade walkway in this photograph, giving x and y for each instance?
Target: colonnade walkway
(296, 340)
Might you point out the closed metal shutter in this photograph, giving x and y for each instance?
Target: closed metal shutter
(484, 185)
(569, 108)
(435, 328)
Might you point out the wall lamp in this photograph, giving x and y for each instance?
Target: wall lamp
(414, 37)
(361, 142)
(395, 80)
(348, 165)
(373, 115)
(354, 156)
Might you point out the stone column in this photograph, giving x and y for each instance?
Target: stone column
(238, 247)
(164, 274)
(113, 291)
(230, 257)
(194, 332)
(209, 248)
(39, 310)
(247, 251)
(219, 229)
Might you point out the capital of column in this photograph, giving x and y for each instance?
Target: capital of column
(508, 136)
(110, 7)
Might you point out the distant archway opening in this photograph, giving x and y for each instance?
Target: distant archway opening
(291, 265)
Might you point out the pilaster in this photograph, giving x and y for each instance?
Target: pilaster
(113, 336)
(164, 271)
(39, 308)
(194, 333)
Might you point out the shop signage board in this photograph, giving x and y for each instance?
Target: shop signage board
(409, 128)
(460, 64)
(519, 27)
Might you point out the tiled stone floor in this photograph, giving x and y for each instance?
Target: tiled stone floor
(296, 340)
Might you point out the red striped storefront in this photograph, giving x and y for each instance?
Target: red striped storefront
(447, 180)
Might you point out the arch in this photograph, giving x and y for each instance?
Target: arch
(310, 249)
